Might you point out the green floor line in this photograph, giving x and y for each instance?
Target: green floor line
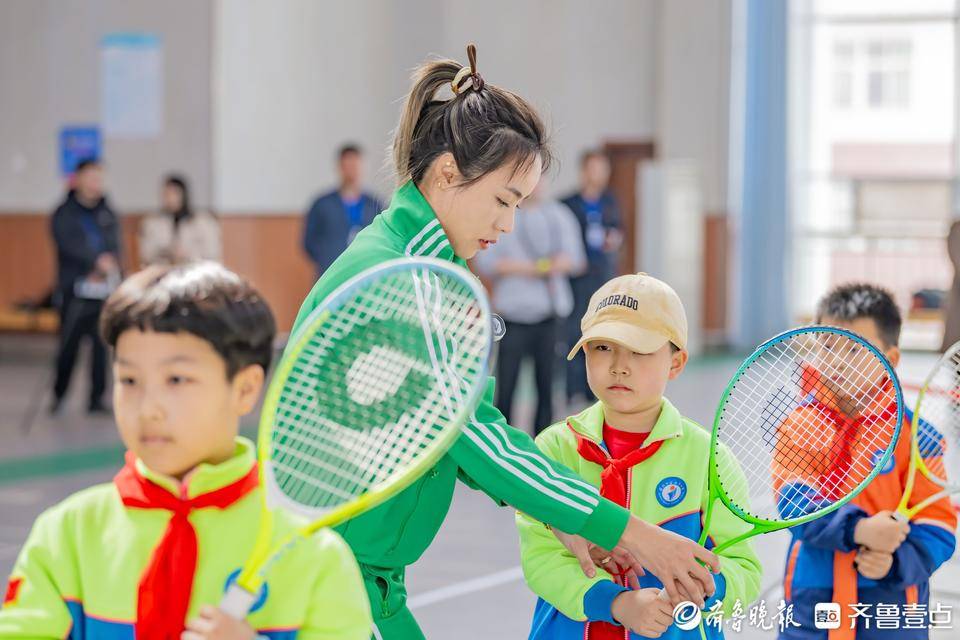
(60, 464)
(65, 463)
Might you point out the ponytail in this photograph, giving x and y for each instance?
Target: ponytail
(483, 126)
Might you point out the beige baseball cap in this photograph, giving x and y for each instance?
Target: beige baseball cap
(636, 311)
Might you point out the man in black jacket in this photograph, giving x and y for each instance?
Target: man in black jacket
(86, 233)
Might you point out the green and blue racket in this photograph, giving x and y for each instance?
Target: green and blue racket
(807, 421)
(804, 425)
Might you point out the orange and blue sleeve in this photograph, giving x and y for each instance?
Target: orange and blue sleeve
(796, 467)
(921, 554)
(932, 538)
(833, 531)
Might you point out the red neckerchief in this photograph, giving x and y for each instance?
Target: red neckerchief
(613, 486)
(163, 595)
(835, 483)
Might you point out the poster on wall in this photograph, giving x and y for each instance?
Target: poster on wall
(78, 142)
(131, 85)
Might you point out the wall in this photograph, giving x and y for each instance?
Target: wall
(259, 95)
(50, 74)
(693, 91)
(294, 80)
(27, 257)
(693, 126)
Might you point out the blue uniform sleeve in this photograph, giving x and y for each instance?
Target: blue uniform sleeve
(598, 600)
(926, 548)
(719, 594)
(833, 531)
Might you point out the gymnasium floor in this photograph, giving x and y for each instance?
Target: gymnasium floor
(468, 585)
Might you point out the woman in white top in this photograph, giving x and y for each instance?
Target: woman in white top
(177, 233)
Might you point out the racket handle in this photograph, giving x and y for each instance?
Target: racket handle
(899, 517)
(237, 601)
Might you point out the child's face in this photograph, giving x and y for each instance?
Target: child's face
(628, 382)
(866, 328)
(174, 405)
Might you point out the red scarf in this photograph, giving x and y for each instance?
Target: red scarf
(613, 486)
(836, 484)
(164, 592)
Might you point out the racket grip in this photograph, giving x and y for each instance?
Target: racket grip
(899, 517)
(237, 601)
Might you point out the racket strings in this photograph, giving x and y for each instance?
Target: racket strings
(781, 403)
(802, 425)
(386, 453)
(938, 431)
(364, 396)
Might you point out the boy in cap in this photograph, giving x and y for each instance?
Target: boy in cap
(643, 454)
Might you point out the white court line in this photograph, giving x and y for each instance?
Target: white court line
(504, 577)
(458, 589)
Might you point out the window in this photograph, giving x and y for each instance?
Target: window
(842, 74)
(888, 74)
(873, 155)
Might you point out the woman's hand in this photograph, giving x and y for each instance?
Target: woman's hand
(677, 561)
(617, 562)
(644, 547)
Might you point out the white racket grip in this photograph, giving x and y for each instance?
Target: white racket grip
(237, 601)
(900, 517)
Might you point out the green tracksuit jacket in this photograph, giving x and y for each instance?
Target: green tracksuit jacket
(489, 455)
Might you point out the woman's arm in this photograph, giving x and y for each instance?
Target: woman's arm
(506, 464)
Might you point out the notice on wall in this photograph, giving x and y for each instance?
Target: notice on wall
(78, 143)
(131, 85)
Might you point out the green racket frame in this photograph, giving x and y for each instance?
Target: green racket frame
(761, 525)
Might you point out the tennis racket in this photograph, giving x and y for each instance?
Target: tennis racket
(804, 425)
(807, 421)
(935, 434)
(370, 394)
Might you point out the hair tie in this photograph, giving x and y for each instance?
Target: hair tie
(459, 79)
(465, 73)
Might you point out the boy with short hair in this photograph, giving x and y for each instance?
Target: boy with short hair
(642, 453)
(149, 554)
(859, 554)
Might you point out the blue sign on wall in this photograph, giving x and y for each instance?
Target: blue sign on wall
(78, 143)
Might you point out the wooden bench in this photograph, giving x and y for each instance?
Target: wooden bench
(18, 320)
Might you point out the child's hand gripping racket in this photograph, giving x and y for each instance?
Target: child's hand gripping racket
(807, 421)
(371, 392)
(935, 435)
